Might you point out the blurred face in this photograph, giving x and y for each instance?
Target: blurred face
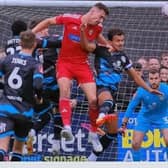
(96, 16)
(164, 61)
(164, 75)
(154, 63)
(154, 80)
(144, 63)
(118, 42)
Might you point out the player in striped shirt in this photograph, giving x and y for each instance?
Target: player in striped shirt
(23, 77)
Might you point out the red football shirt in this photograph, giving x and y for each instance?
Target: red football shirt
(71, 50)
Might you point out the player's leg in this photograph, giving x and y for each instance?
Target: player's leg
(163, 126)
(106, 108)
(142, 126)
(22, 127)
(6, 130)
(53, 96)
(58, 125)
(17, 150)
(39, 122)
(136, 144)
(86, 80)
(43, 114)
(90, 92)
(57, 133)
(165, 136)
(64, 82)
(4, 142)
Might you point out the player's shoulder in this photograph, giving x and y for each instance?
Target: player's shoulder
(163, 86)
(10, 57)
(31, 61)
(101, 47)
(71, 16)
(141, 90)
(68, 18)
(14, 40)
(119, 53)
(101, 50)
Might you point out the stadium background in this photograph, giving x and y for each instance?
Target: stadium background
(146, 35)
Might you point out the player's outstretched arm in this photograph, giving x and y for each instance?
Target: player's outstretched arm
(141, 82)
(44, 24)
(49, 42)
(130, 109)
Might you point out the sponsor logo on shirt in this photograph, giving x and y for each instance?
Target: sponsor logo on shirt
(74, 37)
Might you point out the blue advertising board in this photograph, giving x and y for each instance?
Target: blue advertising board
(78, 150)
(152, 146)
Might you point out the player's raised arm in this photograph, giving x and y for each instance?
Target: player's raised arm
(141, 82)
(129, 111)
(91, 46)
(44, 24)
(85, 44)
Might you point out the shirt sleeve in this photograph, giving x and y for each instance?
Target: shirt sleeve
(49, 42)
(38, 80)
(2, 64)
(133, 103)
(66, 18)
(125, 61)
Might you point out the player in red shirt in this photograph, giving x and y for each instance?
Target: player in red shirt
(73, 64)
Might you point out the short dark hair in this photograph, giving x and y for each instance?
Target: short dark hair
(114, 31)
(153, 71)
(33, 23)
(102, 7)
(137, 66)
(18, 26)
(163, 67)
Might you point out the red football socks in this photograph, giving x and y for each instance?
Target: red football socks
(65, 110)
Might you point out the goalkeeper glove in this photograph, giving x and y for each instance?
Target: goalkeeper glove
(123, 128)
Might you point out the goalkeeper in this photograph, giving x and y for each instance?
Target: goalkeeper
(154, 111)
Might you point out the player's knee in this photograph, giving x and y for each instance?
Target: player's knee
(166, 141)
(136, 145)
(107, 107)
(64, 92)
(18, 148)
(92, 102)
(2, 154)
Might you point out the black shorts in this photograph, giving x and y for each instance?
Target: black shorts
(50, 100)
(51, 95)
(17, 125)
(101, 89)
